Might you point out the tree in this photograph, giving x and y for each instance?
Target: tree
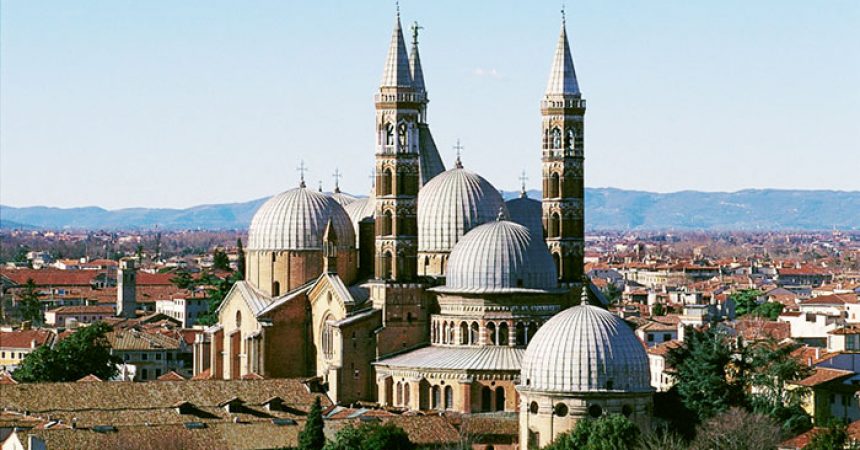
(709, 375)
(834, 435)
(29, 305)
(87, 351)
(220, 260)
(183, 280)
(612, 432)
(371, 436)
(240, 264)
(658, 310)
(311, 436)
(773, 368)
(769, 310)
(737, 429)
(746, 301)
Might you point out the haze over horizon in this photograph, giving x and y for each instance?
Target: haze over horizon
(122, 104)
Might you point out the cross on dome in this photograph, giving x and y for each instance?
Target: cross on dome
(302, 169)
(458, 148)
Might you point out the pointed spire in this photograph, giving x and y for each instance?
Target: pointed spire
(562, 76)
(583, 298)
(396, 73)
(415, 60)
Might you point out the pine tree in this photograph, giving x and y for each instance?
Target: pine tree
(30, 306)
(312, 437)
(220, 260)
(240, 265)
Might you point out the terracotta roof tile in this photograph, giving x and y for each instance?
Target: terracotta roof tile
(25, 338)
(823, 375)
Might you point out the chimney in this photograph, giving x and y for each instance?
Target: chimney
(126, 288)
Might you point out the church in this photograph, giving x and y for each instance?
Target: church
(427, 294)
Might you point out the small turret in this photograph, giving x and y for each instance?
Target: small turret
(329, 248)
(126, 288)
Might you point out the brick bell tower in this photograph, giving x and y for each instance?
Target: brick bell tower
(400, 108)
(563, 127)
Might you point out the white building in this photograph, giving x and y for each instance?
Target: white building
(185, 310)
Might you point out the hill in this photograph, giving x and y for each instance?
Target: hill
(606, 208)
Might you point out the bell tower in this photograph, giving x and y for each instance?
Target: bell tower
(398, 108)
(563, 154)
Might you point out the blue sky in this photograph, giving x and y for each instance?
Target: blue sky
(165, 103)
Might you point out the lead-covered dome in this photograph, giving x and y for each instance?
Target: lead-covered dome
(296, 220)
(451, 204)
(499, 257)
(527, 212)
(361, 209)
(585, 349)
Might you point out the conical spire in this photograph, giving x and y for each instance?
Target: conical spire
(562, 77)
(397, 64)
(415, 61)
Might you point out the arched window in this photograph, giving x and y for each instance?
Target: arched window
(437, 397)
(451, 332)
(433, 333)
(385, 225)
(571, 140)
(554, 188)
(445, 333)
(399, 394)
(389, 134)
(387, 261)
(401, 136)
(503, 333)
(449, 397)
(557, 260)
(238, 319)
(530, 332)
(486, 399)
(474, 334)
(521, 334)
(500, 398)
(491, 333)
(405, 394)
(327, 338)
(387, 181)
(556, 138)
(276, 289)
(554, 225)
(464, 333)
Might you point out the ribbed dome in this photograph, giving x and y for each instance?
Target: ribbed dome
(296, 219)
(342, 198)
(497, 257)
(585, 349)
(527, 212)
(451, 204)
(360, 209)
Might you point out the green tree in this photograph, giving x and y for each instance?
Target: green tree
(240, 264)
(658, 310)
(709, 374)
(183, 280)
(833, 436)
(29, 304)
(746, 301)
(87, 351)
(311, 437)
(612, 293)
(371, 436)
(769, 310)
(773, 368)
(612, 432)
(220, 260)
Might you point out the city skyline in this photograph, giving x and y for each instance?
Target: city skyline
(190, 101)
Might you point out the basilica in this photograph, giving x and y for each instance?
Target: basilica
(433, 292)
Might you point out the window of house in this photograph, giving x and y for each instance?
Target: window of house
(157, 373)
(144, 356)
(650, 337)
(158, 356)
(667, 337)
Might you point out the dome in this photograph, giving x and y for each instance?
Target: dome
(585, 349)
(498, 257)
(360, 209)
(451, 204)
(527, 212)
(342, 198)
(296, 220)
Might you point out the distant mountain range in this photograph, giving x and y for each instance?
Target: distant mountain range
(606, 208)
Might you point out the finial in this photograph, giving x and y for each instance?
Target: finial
(501, 215)
(302, 169)
(337, 175)
(319, 188)
(397, 6)
(563, 18)
(458, 147)
(415, 28)
(583, 298)
(523, 179)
